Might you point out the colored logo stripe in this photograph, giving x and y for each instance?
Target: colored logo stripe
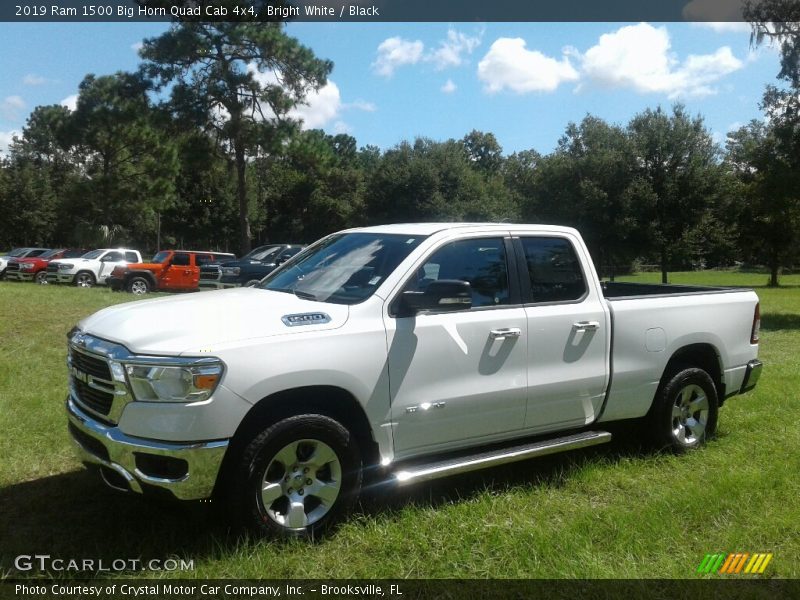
(734, 563)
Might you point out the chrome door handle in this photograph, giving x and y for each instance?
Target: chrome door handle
(586, 326)
(507, 332)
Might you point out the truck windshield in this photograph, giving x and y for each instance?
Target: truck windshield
(344, 268)
(51, 253)
(18, 252)
(264, 254)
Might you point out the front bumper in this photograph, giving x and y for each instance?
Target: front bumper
(751, 375)
(19, 276)
(60, 277)
(187, 470)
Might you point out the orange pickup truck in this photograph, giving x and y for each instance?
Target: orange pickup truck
(170, 270)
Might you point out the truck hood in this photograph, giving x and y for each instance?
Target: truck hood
(195, 323)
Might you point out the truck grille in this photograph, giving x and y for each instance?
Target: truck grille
(12, 267)
(96, 367)
(99, 402)
(209, 274)
(52, 268)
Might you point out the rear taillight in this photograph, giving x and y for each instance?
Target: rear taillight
(756, 324)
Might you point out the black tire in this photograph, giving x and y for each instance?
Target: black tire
(684, 412)
(40, 278)
(138, 285)
(85, 279)
(291, 508)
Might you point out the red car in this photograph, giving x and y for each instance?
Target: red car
(35, 268)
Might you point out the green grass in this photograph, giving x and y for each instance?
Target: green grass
(612, 511)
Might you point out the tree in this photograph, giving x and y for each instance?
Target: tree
(238, 81)
(676, 161)
(129, 163)
(771, 214)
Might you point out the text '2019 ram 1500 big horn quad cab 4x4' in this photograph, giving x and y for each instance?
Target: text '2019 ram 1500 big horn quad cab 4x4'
(414, 351)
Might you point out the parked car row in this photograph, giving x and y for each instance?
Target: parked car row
(122, 269)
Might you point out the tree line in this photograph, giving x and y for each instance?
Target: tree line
(197, 149)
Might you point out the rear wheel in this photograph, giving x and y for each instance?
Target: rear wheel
(84, 279)
(138, 286)
(41, 278)
(684, 413)
(298, 478)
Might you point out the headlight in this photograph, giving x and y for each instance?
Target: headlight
(231, 270)
(65, 266)
(150, 383)
(26, 266)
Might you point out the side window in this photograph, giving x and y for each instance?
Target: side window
(131, 257)
(203, 259)
(113, 257)
(36, 253)
(554, 269)
(480, 262)
(181, 259)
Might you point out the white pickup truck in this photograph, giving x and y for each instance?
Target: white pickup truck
(413, 351)
(92, 268)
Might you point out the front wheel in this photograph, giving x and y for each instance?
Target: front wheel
(84, 279)
(298, 477)
(41, 278)
(138, 286)
(684, 413)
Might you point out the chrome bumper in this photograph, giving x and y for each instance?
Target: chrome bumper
(60, 278)
(19, 276)
(106, 446)
(751, 375)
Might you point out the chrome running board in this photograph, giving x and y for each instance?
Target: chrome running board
(483, 460)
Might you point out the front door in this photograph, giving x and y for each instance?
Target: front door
(178, 276)
(457, 377)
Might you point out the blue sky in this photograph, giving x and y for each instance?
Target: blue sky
(395, 81)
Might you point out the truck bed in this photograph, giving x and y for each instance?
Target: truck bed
(613, 290)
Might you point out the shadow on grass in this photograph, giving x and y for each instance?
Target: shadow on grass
(74, 515)
(778, 321)
(552, 471)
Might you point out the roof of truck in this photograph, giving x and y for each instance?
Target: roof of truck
(431, 228)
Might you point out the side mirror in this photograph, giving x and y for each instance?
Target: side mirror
(445, 295)
(253, 283)
(282, 259)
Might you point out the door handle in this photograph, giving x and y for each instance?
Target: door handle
(586, 326)
(506, 332)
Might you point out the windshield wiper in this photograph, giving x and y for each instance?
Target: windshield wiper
(304, 295)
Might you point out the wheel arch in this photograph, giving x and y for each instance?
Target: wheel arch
(701, 355)
(328, 400)
(141, 273)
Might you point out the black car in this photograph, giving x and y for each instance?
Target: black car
(249, 269)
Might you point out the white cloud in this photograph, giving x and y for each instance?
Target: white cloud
(724, 26)
(341, 127)
(33, 79)
(6, 137)
(136, 46)
(450, 50)
(396, 52)
(361, 105)
(449, 87)
(510, 65)
(71, 102)
(320, 107)
(11, 107)
(638, 57)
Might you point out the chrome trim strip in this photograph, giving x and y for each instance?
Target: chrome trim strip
(204, 458)
(499, 457)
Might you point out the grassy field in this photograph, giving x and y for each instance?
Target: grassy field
(614, 511)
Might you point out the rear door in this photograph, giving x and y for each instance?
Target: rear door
(568, 333)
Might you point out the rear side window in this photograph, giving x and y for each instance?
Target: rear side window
(202, 259)
(181, 259)
(480, 262)
(554, 269)
(131, 257)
